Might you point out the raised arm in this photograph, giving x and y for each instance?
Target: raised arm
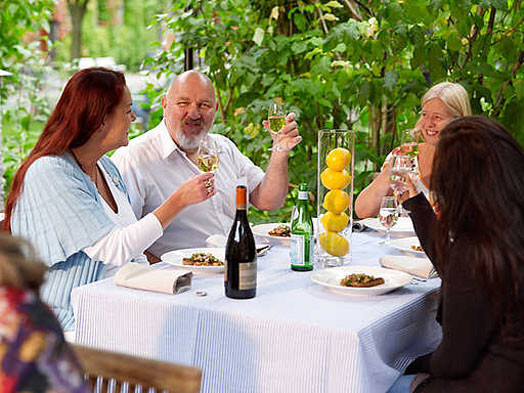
(271, 193)
(368, 201)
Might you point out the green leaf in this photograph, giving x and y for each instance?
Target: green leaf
(298, 47)
(300, 21)
(340, 48)
(258, 37)
(333, 4)
(519, 89)
(453, 41)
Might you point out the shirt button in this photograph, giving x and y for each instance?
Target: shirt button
(115, 179)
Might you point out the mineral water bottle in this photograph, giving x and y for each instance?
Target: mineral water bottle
(301, 250)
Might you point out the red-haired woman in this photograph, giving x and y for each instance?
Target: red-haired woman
(476, 246)
(68, 199)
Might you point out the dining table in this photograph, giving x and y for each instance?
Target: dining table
(293, 336)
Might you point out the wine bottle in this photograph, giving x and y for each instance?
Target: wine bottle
(301, 249)
(240, 276)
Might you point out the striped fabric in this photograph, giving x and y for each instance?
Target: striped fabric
(60, 212)
(293, 337)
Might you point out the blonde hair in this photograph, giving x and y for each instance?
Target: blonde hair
(453, 95)
(19, 266)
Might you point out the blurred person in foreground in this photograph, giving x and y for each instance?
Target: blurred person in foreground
(441, 104)
(475, 244)
(68, 198)
(158, 162)
(34, 356)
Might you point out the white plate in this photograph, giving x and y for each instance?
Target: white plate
(175, 258)
(331, 277)
(262, 232)
(405, 243)
(404, 226)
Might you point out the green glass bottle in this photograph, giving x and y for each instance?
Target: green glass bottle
(301, 250)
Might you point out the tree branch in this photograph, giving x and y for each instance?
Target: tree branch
(354, 10)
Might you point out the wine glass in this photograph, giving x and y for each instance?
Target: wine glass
(208, 155)
(401, 166)
(388, 215)
(277, 120)
(410, 141)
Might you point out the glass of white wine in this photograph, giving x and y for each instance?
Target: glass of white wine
(277, 120)
(208, 155)
(388, 215)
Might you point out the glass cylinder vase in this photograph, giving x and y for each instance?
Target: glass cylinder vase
(334, 197)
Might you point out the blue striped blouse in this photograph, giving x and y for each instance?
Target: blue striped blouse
(60, 212)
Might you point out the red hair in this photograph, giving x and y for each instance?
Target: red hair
(88, 98)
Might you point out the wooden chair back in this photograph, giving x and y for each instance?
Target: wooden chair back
(105, 366)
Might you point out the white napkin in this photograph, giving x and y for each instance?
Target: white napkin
(420, 267)
(134, 275)
(218, 241)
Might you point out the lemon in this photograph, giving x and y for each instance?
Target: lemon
(338, 159)
(334, 222)
(336, 201)
(333, 243)
(334, 179)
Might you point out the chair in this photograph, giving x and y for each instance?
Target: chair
(104, 366)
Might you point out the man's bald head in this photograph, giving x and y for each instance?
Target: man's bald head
(189, 109)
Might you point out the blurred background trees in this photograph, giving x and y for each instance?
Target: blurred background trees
(360, 64)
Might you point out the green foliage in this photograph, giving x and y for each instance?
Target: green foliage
(339, 65)
(22, 109)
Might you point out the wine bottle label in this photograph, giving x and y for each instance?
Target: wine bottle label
(247, 275)
(300, 250)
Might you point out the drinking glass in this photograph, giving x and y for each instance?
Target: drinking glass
(208, 155)
(401, 165)
(388, 215)
(410, 140)
(277, 120)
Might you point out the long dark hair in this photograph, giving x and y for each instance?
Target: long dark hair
(89, 96)
(478, 185)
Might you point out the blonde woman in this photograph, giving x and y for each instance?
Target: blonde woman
(33, 354)
(441, 104)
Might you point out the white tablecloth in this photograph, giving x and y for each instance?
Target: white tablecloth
(294, 336)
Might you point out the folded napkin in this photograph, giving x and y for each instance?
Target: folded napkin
(134, 275)
(420, 267)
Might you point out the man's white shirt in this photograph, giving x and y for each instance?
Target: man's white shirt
(153, 167)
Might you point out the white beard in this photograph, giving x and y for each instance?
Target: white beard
(188, 143)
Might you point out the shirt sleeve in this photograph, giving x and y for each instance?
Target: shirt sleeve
(125, 243)
(130, 175)
(244, 166)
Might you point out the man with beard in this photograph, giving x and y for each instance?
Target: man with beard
(158, 162)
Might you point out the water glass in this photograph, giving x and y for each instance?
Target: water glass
(388, 215)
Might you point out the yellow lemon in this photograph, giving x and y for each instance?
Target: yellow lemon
(334, 222)
(334, 179)
(338, 159)
(334, 244)
(336, 201)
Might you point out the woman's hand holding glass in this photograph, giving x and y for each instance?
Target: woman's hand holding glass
(401, 166)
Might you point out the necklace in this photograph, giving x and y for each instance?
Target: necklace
(95, 179)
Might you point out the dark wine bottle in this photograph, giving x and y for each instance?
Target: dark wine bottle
(240, 276)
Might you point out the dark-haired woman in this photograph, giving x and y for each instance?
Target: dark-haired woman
(69, 199)
(476, 244)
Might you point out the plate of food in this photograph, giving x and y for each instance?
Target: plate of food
(361, 280)
(408, 244)
(404, 226)
(197, 259)
(276, 232)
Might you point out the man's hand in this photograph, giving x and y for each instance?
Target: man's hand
(288, 136)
